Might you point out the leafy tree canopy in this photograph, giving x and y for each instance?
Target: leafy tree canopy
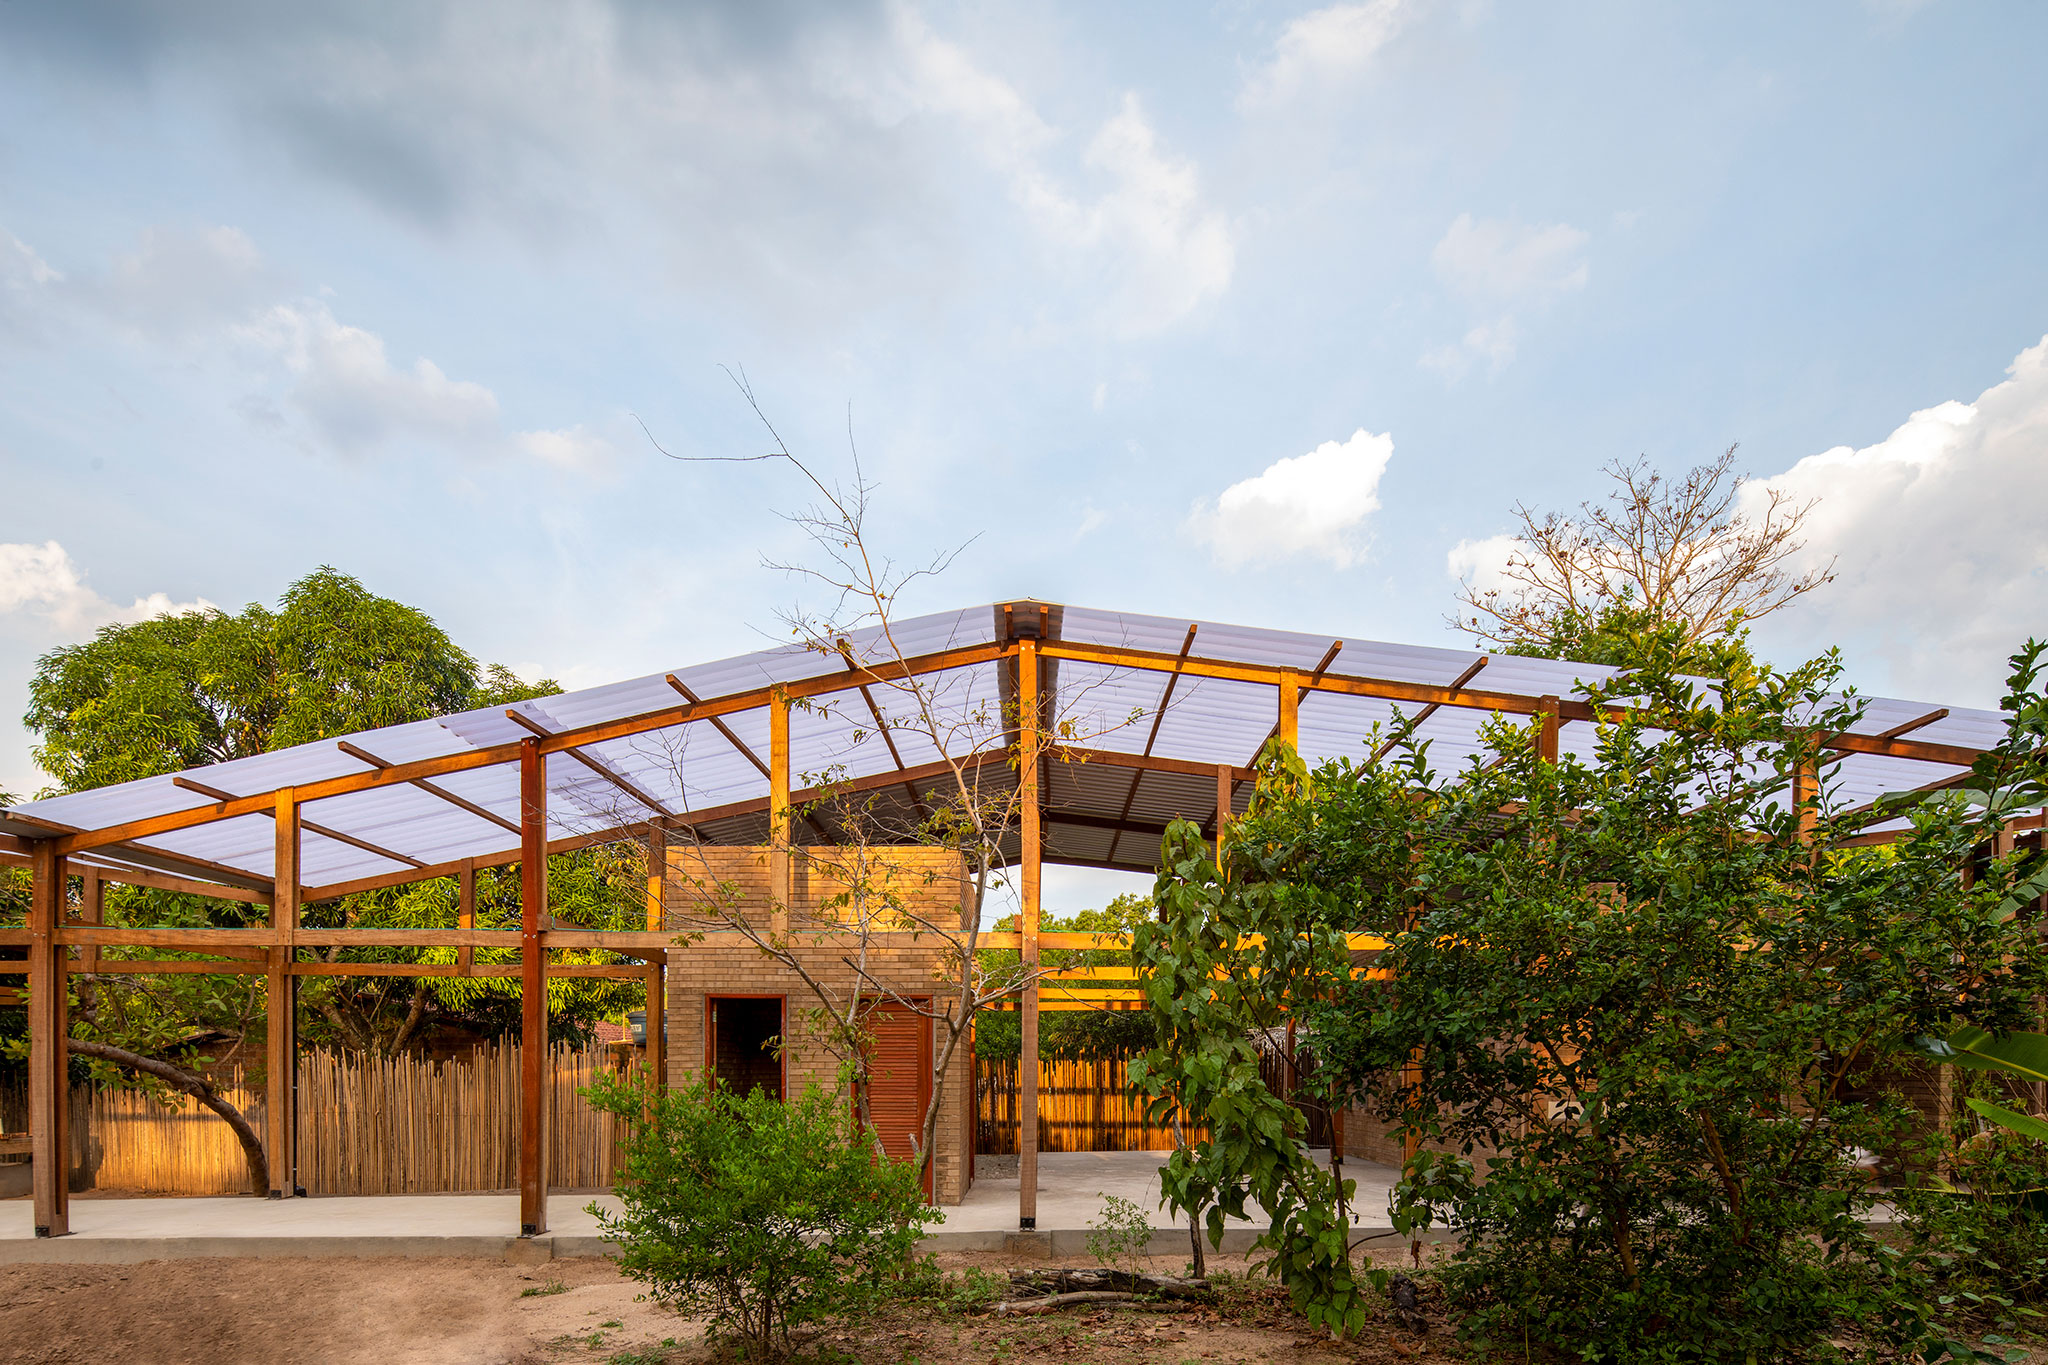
(178, 692)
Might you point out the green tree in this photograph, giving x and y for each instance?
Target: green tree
(1660, 565)
(1234, 951)
(1653, 1012)
(162, 695)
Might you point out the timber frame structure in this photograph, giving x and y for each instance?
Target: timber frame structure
(1189, 705)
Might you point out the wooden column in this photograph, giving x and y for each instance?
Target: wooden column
(1546, 733)
(533, 990)
(465, 914)
(1806, 797)
(281, 1014)
(657, 1013)
(780, 881)
(92, 909)
(1290, 710)
(657, 985)
(48, 1060)
(1226, 790)
(1027, 1057)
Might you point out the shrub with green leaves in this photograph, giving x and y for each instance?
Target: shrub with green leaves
(756, 1214)
(1660, 1010)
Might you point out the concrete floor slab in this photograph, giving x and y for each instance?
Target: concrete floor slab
(1073, 1187)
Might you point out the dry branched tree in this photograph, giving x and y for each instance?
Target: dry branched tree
(1679, 552)
(920, 860)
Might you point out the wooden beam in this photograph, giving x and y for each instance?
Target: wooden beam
(158, 881)
(1415, 722)
(1085, 820)
(1152, 735)
(48, 1060)
(191, 785)
(718, 724)
(76, 840)
(154, 858)
(533, 993)
(1067, 753)
(1322, 667)
(781, 878)
(882, 727)
(603, 770)
(810, 817)
(365, 756)
(1029, 724)
(281, 1015)
(1916, 723)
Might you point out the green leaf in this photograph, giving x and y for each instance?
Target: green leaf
(2022, 1124)
(2021, 1054)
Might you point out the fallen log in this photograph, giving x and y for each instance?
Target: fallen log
(1084, 1281)
(1053, 1302)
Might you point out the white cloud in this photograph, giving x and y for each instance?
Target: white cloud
(577, 448)
(344, 385)
(1489, 343)
(1496, 262)
(180, 283)
(42, 579)
(1312, 505)
(1482, 563)
(1498, 259)
(212, 289)
(1942, 559)
(1156, 247)
(1322, 48)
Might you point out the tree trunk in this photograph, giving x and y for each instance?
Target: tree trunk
(199, 1088)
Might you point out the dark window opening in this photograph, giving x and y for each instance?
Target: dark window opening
(745, 1031)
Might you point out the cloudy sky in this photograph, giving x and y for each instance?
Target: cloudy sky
(1247, 311)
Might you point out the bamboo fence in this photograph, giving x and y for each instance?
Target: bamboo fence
(1091, 1107)
(367, 1125)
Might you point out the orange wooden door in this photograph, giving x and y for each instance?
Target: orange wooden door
(900, 1079)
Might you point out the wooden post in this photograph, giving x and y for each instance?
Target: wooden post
(1290, 710)
(92, 909)
(780, 880)
(48, 1060)
(1226, 790)
(281, 1015)
(657, 986)
(1546, 734)
(1806, 797)
(1027, 1056)
(465, 914)
(533, 990)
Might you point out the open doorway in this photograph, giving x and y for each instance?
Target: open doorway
(741, 1034)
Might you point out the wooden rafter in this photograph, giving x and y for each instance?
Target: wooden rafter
(603, 770)
(71, 839)
(1152, 735)
(363, 755)
(1414, 724)
(747, 752)
(190, 785)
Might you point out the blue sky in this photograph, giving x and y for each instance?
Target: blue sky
(391, 287)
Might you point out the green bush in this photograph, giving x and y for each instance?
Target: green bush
(755, 1214)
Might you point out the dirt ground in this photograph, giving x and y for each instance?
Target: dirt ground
(479, 1312)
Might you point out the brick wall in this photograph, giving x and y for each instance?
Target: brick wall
(704, 883)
